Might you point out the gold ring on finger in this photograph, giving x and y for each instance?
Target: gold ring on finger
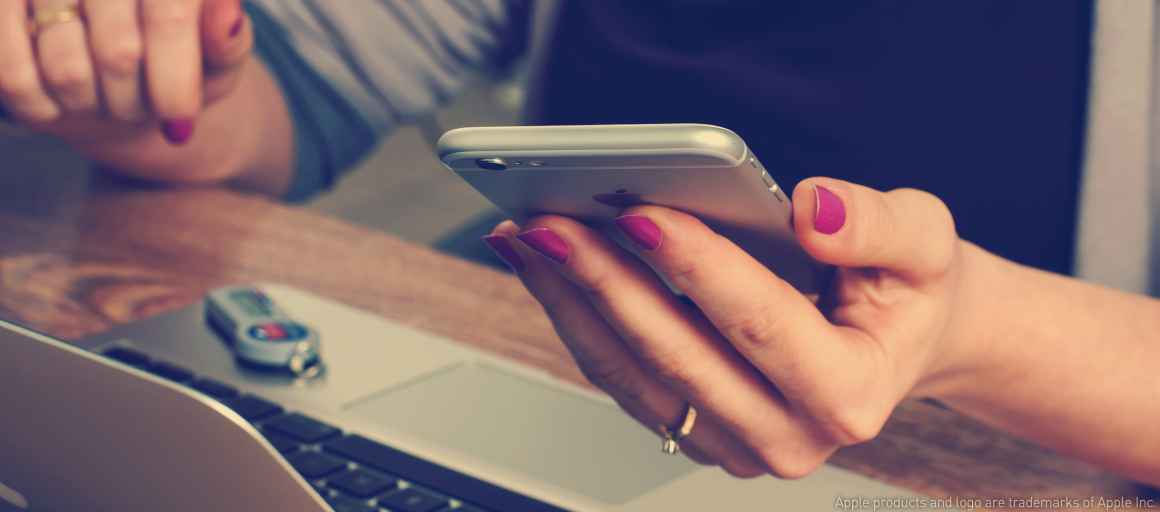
(671, 444)
(47, 17)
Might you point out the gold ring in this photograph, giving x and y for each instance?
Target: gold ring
(671, 444)
(44, 18)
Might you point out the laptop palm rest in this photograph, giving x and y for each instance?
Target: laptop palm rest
(476, 413)
(562, 437)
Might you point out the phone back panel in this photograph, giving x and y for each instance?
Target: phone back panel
(592, 173)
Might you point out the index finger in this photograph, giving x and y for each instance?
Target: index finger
(21, 90)
(173, 62)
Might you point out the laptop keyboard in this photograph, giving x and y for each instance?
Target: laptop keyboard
(352, 473)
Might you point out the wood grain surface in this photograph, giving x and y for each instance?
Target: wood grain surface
(74, 262)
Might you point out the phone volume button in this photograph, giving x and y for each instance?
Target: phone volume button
(769, 183)
(776, 191)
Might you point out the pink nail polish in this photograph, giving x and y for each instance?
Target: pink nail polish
(829, 212)
(643, 232)
(503, 248)
(236, 28)
(545, 242)
(177, 132)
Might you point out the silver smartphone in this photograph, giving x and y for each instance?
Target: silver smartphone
(592, 173)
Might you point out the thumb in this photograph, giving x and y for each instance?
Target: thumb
(905, 231)
(226, 35)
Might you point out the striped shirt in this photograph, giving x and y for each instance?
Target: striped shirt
(353, 70)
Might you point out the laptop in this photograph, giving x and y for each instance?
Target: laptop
(158, 415)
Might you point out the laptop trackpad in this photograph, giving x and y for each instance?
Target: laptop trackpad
(563, 438)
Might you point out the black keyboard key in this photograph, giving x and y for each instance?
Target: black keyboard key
(214, 388)
(252, 408)
(301, 427)
(413, 499)
(283, 444)
(314, 464)
(344, 504)
(389, 460)
(128, 356)
(170, 371)
(361, 483)
(321, 489)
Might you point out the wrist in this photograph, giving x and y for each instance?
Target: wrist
(269, 163)
(967, 351)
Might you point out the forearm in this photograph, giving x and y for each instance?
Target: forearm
(245, 139)
(1067, 364)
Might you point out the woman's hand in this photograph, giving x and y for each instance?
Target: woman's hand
(124, 67)
(779, 382)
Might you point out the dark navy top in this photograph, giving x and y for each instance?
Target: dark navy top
(980, 102)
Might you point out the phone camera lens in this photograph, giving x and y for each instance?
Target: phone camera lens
(492, 164)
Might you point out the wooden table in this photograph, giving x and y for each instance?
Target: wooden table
(75, 261)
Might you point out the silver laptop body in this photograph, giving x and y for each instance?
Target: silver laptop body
(80, 431)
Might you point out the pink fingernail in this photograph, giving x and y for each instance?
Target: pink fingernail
(178, 131)
(829, 212)
(237, 26)
(641, 230)
(503, 248)
(545, 242)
